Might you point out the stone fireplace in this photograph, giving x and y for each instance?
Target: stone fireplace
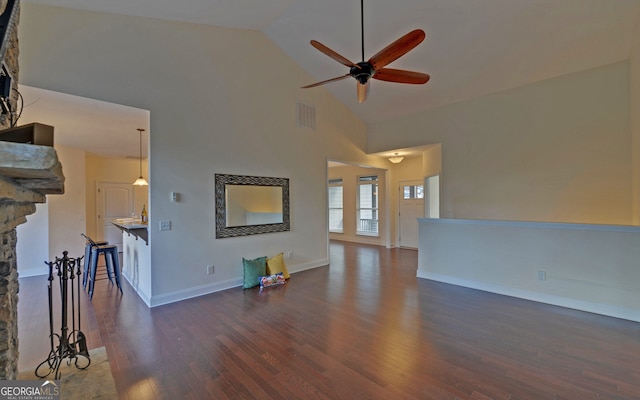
(27, 173)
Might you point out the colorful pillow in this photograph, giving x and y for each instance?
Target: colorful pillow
(276, 264)
(272, 280)
(253, 270)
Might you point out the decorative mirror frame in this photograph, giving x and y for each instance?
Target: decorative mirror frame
(224, 231)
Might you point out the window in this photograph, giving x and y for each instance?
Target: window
(367, 212)
(335, 206)
(413, 192)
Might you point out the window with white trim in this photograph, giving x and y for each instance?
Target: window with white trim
(367, 211)
(336, 215)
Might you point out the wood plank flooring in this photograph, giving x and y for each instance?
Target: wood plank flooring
(363, 327)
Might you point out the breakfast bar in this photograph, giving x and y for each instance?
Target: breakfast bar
(136, 255)
(133, 227)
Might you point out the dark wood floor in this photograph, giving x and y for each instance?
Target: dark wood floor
(362, 328)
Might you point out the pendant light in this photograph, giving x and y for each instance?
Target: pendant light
(140, 181)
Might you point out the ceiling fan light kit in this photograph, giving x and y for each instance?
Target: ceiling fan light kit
(375, 66)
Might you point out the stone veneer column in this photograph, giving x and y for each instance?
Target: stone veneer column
(9, 294)
(27, 174)
(24, 181)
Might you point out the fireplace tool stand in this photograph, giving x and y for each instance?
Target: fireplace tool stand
(70, 345)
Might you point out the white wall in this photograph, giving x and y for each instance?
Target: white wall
(432, 160)
(557, 150)
(634, 95)
(215, 106)
(588, 267)
(32, 249)
(67, 211)
(57, 225)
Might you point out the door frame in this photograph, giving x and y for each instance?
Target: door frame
(401, 184)
(100, 185)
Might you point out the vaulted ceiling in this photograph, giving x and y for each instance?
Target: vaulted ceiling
(473, 47)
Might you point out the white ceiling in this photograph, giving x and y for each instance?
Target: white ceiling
(102, 128)
(473, 47)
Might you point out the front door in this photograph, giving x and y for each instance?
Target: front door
(411, 208)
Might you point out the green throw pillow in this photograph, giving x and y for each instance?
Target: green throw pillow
(253, 270)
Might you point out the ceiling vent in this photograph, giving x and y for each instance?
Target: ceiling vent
(305, 116)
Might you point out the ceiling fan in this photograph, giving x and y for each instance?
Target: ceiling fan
(375, 66)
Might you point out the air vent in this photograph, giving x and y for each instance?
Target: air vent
(306, 116)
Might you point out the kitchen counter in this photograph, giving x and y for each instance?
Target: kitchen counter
(136, 256)
(133, 227)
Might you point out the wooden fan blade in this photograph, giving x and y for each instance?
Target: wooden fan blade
(342, 60)
(397, 49)
(363, 92)
(401, 76)
(327, 81)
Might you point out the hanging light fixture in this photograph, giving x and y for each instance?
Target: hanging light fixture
(140, 181)
(396, 158)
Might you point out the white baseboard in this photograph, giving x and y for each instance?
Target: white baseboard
(307, 266)
(27, 273)
(202, 290)
(197, 291)
(359, 239)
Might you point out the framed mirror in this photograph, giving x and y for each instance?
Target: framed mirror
(249, 205)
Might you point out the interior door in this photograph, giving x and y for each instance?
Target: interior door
(411, 207)
(114, 200)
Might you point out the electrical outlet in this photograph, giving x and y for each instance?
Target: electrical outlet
(542, 275)
(165, 225)
(210, 270)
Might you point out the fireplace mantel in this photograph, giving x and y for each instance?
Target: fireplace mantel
(32, 167)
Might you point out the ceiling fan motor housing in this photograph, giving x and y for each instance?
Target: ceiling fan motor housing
(362, 72)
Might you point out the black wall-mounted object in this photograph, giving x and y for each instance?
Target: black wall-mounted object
(35, 133)
(7, 23)
(5, 82)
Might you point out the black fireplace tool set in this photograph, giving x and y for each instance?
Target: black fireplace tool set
(68, 344)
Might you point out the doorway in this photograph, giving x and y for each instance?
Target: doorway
(411, 207)
(113, 200)
(96, 141)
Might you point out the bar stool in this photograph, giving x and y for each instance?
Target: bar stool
(87, 257)
(93, 251)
